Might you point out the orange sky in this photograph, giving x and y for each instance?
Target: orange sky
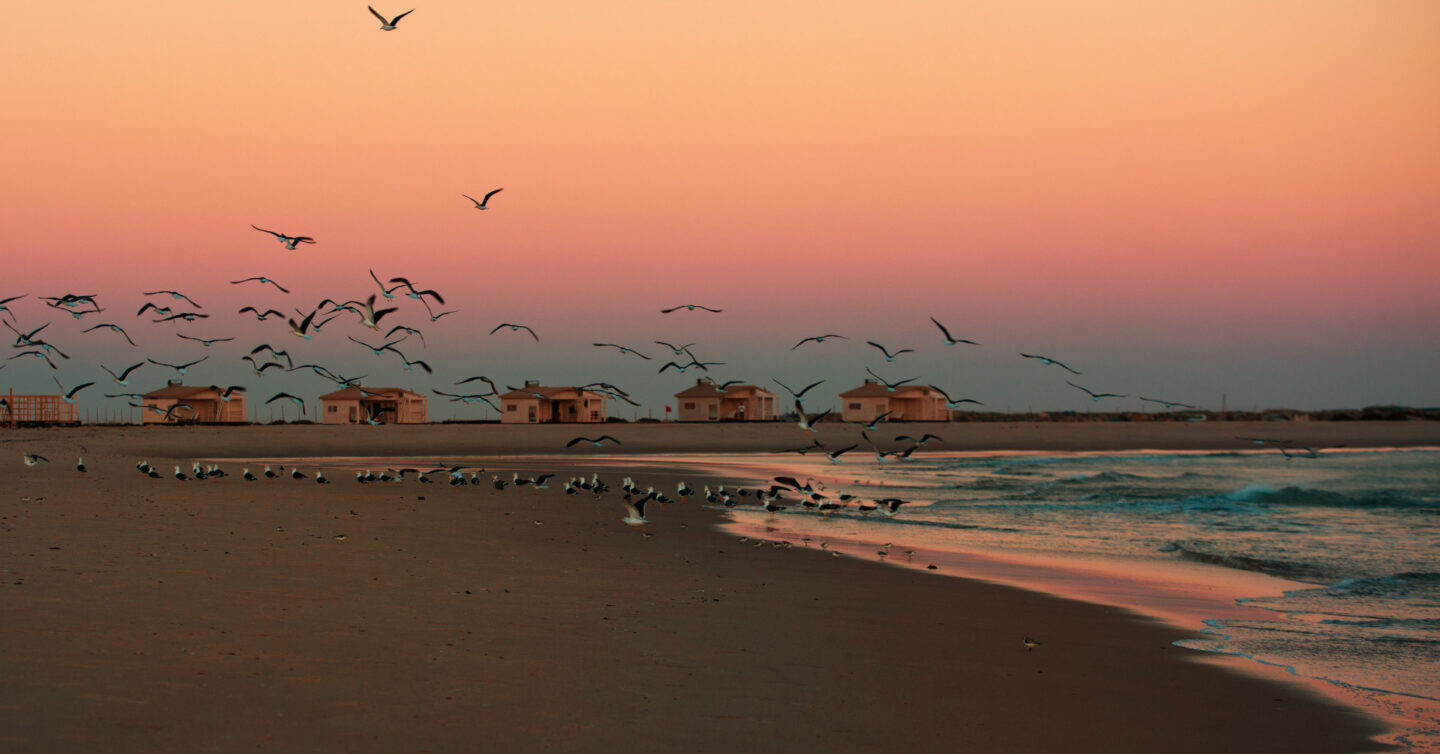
(1255, 180)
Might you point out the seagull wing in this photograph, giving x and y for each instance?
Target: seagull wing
(271, 232)
(577, 441)
(396, 19)
(377, 15)
(490, 194)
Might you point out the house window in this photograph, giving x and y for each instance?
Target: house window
(854, 407)
(331, 409)
(690, 405)
(594, 416)
(509, 407)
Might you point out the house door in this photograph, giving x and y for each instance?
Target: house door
(532, 414)
(714, 411)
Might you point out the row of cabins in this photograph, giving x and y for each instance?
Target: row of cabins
(536, 404)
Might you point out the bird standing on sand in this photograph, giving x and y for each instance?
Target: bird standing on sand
(1029, 643)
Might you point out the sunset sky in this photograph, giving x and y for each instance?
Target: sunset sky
(1179, 199)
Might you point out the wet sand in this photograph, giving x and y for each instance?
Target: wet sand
(153, 615)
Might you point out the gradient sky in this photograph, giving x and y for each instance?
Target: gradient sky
(1180, 199)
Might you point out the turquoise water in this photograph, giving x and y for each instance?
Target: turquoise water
(1327, 567)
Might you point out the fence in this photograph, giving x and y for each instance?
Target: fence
(37, 409)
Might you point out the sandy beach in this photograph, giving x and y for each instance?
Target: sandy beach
(154, 615)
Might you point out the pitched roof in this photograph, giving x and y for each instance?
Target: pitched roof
(876, 390)
(550, 393)
(355, 394)
(184, 391)
(709, 390)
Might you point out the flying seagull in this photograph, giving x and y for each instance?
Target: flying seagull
(949, 339)
(282, 288)
(120, 379)
(954, 402)
(798, 396)
(69, 397)
(389, 25)
(259, 315)
(290, 398)
(175, 295)
(203, 341)
(817, 339)
(1048, 360)
(597, 442)
(690, 307)
(179, 368)
(677, 349)
(1167, 404)
(289, 241)
(116, 328)
(635, 512)
(514, 327)
(890, 386)
(299, 329)
(370, 317)
(889, 356)
(1094, 396)
(480, 204)
(623, 349)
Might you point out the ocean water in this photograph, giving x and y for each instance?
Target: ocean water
(1327, 568)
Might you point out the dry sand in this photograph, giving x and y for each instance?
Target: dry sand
(153, 615)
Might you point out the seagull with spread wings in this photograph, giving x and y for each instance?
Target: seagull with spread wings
(389, 25)
(179, 368)
(282, 288)
(949, 339)
(800, 395)
(623, 349)
(259, 315)
(1048, 360)
(889, 356)
(1094, 396)
(690, 307)
(482, 203)
(122, 378)
(289, 241)
(114, 327)
(513, 327)
(817, 339)
(177, 295)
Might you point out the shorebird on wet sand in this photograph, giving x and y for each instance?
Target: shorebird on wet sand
(1029, 643)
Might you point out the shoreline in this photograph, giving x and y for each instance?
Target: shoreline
(788, 625)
